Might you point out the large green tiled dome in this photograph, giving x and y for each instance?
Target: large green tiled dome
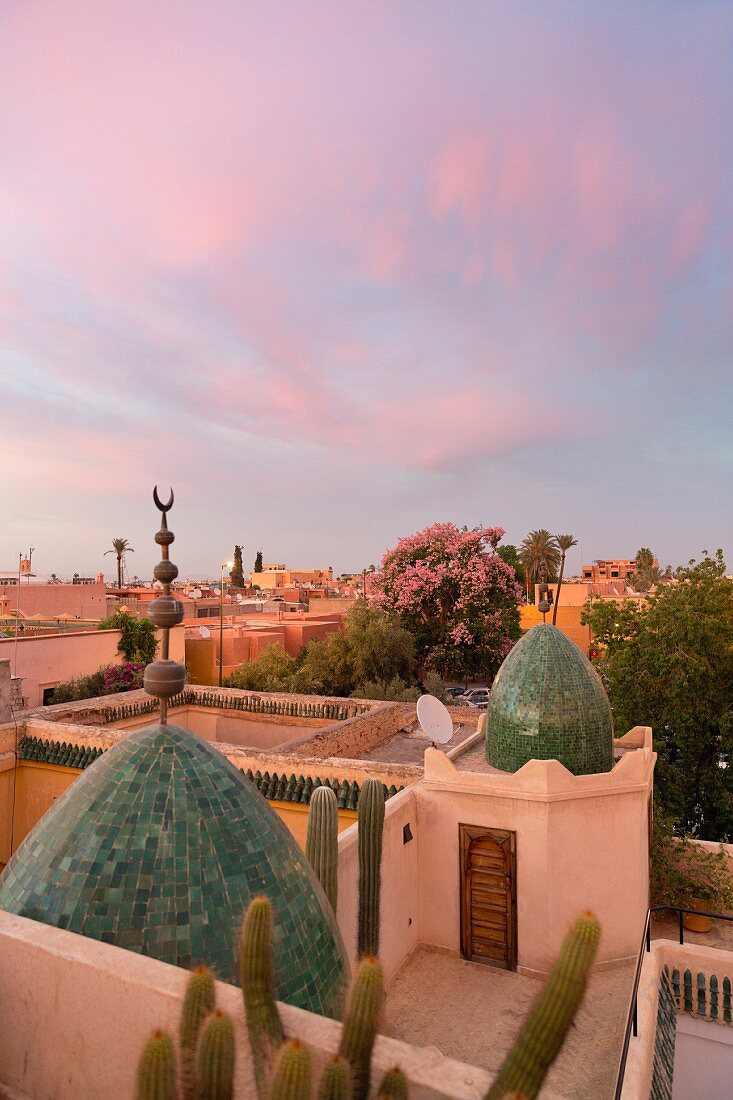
(158, 847)
(548, 703)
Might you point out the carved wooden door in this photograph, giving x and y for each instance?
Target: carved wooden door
(488, 896)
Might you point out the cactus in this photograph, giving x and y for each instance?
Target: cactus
(335, 1080)
(321, 842)
(393, 1086)
(197, 1004)
(543, 1033)
(256, 972)
(292, 1080)
(215, 1059)
(156, 1071)
(360, 1027)
(370, 819)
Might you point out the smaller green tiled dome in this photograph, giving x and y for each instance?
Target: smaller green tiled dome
(548, 703)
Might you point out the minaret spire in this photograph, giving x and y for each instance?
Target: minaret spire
(165, 678)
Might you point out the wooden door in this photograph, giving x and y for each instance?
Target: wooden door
(488, 896)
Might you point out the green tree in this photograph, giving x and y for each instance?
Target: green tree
(120, 547)
(537, 548)
(272, 671)
(258, 562)
(669, 665)
(372, 648)
(237, 574)
(564, 543)
(510, 555)
(137, 636)
(647, 572)
(644, 559)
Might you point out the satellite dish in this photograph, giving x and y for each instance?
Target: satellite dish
(240, 597)
(197, 593)
(435, 721)
(205, 632)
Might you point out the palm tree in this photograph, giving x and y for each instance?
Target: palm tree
(565, 543)
(539, 547)
(120, 548)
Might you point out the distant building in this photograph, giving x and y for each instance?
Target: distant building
(279, 576)
(611, 569)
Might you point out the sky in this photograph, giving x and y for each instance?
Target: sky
(336, 272)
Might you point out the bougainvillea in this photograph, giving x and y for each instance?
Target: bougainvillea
(455, 594)
(124, 677)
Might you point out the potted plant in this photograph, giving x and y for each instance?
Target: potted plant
(685, 874)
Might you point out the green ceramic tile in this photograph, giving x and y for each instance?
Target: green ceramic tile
(163, 827)
(548, 703)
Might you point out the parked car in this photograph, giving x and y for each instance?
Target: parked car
(478, 696)
(454, 692)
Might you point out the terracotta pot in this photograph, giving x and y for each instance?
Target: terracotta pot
(698, 924)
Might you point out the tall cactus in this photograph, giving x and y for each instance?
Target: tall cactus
(393, 1086)
(292, 1080)
(156, 1071)
(256, 974)
(215, 1059)
(360, 1027)
(321, 842)
(370, 818)
(543, 1033)
(335, 1080)
(197, 1004)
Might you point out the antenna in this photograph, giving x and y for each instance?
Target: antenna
(435, 721)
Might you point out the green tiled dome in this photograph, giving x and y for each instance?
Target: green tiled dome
(158, 847)
(548, 703)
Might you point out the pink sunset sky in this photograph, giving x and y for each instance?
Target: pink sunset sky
(338, 271)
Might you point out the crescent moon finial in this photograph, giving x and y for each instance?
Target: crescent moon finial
(162, 507)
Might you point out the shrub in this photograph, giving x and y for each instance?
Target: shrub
(81, 687)
(137, 636)
(683, 871)
(125, 677)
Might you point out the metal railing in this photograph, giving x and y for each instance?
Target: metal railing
(632, 1021)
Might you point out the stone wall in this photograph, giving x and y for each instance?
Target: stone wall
(358, 735)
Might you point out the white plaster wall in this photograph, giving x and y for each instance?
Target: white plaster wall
(581, 844)
(75, 1013)
(703, 1060)
(400, 926)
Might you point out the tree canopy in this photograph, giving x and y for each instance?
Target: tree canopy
(236, 574)
(137, 641)
(455, 594)
(372, 653)
(540, 548)
(668, 663)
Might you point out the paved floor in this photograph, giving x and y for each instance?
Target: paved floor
(410, 749)
(720, 935)
(473, 1012)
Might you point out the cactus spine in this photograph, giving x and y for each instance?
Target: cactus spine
(321, 842)
(370, 818)
(215, 1059)
(256, 973)
(292, 1080)
(197, 1004)
(539, 1042)
(360, 1027)
(393, 1086)
(335, 1080)
(156, 1071)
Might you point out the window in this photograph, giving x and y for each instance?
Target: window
(48, 694)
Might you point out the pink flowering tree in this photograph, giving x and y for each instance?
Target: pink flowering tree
(456, 596)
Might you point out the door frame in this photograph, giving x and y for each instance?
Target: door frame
(506, 839)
